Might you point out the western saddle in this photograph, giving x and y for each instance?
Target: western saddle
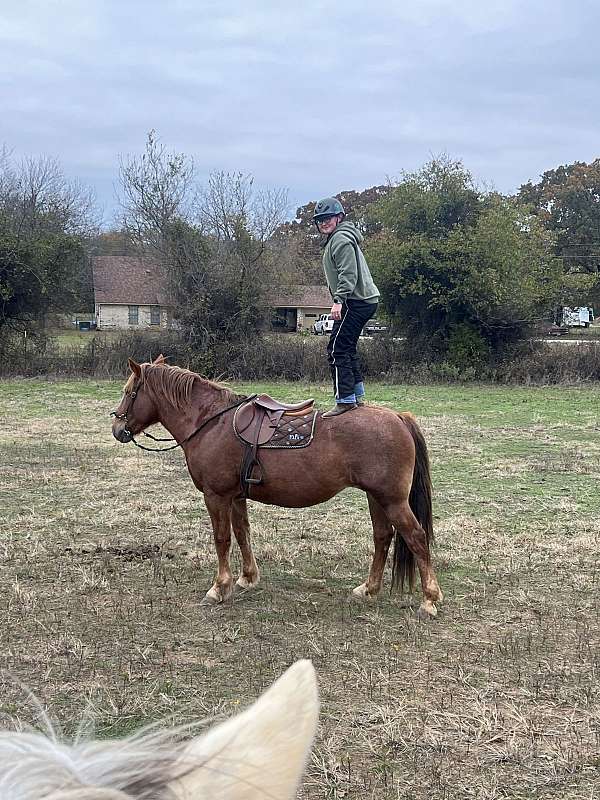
(255, 423)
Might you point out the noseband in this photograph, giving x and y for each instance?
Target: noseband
(127, 411)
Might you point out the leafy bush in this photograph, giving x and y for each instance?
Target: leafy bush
(467, 349)
(449, 255)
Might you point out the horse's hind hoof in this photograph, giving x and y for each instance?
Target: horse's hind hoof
(243, 585)
(211, 598)
(208, 601)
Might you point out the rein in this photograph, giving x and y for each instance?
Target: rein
(187, 438)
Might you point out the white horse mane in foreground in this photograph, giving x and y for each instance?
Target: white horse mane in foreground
(261, 753)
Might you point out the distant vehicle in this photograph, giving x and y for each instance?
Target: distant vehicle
(580, 317)
(323, 325)
(374, 326)
(84, 324)
(566, 318)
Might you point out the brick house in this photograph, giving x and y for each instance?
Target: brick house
(129, 293)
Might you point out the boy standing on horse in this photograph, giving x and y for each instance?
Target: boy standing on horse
(355, 300)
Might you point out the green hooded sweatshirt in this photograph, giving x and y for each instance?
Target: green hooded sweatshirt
(346, 270)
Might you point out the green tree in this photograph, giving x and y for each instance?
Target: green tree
(37, 276)
(45, 222)
(567, 201)
(451, 259)
(505, 276)
(430, 202)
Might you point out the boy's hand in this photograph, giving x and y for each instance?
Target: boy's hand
(336, 311)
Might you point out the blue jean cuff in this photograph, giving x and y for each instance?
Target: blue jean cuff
(351, 398)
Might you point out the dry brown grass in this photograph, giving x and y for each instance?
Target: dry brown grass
(105, 553)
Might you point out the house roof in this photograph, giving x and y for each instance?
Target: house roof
(298, 296)
(129, 280)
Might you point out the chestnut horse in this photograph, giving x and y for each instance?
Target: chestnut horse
(371, 448)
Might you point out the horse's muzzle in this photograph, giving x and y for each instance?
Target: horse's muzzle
(124, 435)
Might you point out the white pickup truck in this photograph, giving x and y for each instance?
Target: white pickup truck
(323, 325)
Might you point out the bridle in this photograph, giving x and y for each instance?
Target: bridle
(133, 395)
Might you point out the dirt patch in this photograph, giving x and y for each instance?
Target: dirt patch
(140, 552)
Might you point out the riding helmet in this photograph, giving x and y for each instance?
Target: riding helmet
(329, 207)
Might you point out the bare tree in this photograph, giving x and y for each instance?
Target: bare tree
(38, 197)
(214, 242)
(240, 221)
(157, 189)
(230, 200)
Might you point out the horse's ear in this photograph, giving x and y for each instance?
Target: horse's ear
(134, 367)
(260, 753)
(159, 359)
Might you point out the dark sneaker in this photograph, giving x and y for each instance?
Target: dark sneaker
(340, 408)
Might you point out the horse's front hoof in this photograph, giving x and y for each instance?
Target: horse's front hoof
(426, 611)
(362, 593)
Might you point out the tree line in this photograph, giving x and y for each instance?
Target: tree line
(462, 270)
(45, 223)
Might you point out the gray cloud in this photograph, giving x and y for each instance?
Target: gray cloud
(316, 97)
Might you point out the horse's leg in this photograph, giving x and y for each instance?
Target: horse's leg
(383, 533)
(415, 537)
(219, 509)
(249, 576)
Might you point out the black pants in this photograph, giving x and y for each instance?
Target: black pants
(341, 349)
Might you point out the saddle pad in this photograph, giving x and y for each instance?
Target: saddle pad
(293, 430)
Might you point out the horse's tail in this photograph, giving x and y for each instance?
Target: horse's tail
(419, 500)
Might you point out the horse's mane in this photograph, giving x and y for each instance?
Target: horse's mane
(176, 384)
(34, 766)
(257, 754)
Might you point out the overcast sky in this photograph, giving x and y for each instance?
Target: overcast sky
(315, 97)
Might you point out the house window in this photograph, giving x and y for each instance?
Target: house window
(133, 314)
(154, 315)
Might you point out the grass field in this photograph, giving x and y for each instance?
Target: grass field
(105, 553)
(68, 339)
